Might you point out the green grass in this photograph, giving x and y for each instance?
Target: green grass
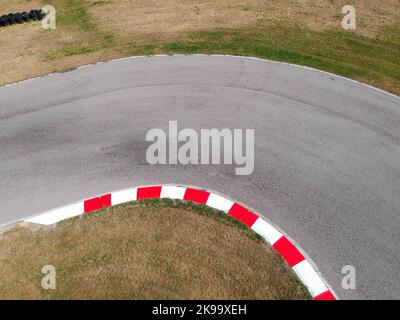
(73, 15)
(339, 52)
(372, 60)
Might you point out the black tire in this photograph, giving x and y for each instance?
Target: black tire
(11, 19)
(41, 14)
(3, 21)
(21, 17)
(33, 15)
(25, 16)
(18, 18)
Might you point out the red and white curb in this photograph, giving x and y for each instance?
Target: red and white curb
(303, 268)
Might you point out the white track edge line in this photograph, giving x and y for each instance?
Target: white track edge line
(211, 55)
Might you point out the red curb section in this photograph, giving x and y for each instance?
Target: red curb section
(195, 195)
(288, 251)
(242, 214)
(97, 203)
(148, 193)
(327, 295)
(282, 245)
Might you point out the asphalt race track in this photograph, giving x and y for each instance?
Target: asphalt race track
(327, 150)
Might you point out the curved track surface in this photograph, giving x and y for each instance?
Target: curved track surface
(327, 150)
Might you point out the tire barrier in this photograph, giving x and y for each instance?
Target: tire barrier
(21, 17)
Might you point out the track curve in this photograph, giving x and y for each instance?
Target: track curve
(285, 247)
(327, 149)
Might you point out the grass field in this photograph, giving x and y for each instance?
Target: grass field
(146, 250)
(306, 32)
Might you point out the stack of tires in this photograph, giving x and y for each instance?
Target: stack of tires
(19, 18)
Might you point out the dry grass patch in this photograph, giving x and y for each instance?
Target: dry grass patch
(146, 250)
(27, 48)
(306, 32)
(170, 18)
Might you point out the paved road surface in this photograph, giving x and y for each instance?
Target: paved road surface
(327, 150)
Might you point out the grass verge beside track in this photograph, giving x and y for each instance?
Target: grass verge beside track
(297, 31)
(152, 249)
